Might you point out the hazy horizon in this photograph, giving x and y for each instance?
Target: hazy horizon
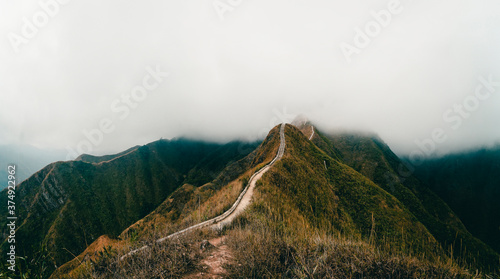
(104, 76)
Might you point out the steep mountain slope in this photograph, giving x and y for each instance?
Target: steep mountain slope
(28, 160)
(188, 205)
(313, 215)
(331, 195)
(307, 198)
(98, 159)
(470, 184)
(67, 205)
(370, 156)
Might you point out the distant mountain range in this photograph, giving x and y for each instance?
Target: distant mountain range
(341, 185)
(70, 204)
(28, 160)
(470, 184)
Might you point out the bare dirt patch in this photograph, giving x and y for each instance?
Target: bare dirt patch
(214, 260)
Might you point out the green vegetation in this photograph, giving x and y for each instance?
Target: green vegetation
(169, 259)
(190, 205)
(368, 155)
(265, 247)
(330, 208)
(68, 205)
(306, 221)
(99, 159)
(334, 198)
(182, 209)
(469, 184)
(38, 266)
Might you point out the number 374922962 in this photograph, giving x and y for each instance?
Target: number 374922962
(11, 187)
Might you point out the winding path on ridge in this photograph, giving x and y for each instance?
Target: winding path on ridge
(241, 203)
(312, 133)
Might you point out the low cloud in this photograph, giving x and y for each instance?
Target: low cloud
(235, 66)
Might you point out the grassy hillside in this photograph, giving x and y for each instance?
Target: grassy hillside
(189, 205)
(324, 219)
(28, 160)
(370, 156)
(470, 184)
(98, 159)
(68, 205)
(334, 197)
(312, 217)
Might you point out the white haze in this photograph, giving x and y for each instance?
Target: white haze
(235, 78)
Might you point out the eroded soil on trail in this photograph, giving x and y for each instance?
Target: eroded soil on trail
(216, 256)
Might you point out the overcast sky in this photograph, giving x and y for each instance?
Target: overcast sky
(136, 71)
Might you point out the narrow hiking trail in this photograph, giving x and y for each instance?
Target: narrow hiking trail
(312, 134)
(218, 255)
(246, 195)
(241, 203)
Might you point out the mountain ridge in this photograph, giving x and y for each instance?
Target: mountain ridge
(330, 184)
(467, 182)
(69, 204)
(326, 195)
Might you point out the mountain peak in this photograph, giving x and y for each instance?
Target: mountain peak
(302, 123)
(325, 183)
(300, 120)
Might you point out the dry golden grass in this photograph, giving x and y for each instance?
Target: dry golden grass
(274, 238)
(265, 249)
(173, 258)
